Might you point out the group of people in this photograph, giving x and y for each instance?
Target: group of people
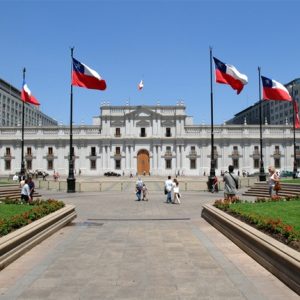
(141, 190)
(231, 183)
(171, 187)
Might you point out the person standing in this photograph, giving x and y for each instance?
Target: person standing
(25, 192)
(272, 181)
(168, 189)
(145, 193)
(176, 192)
(231, 183)
(139, 188)
(31, 188)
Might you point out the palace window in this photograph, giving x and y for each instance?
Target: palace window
(7, 165)
(28, 164)
(193, 164)
(118, 132)
(168, 131)
(118, 164)
(143, 132)
(29, 151)
(7, 152)
(93, 151)
(256, 163)
(118, 150)
(235, 163)
(50, 164)
(277, 163)
(50, 150)
(168, 164)
(93, 164)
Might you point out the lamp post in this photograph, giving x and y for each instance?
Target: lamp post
(294, 135)
(212, 172)
(22, 170)
(262, 175)
(71, 181)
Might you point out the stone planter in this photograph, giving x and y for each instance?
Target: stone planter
(279, 259)
(16, 243)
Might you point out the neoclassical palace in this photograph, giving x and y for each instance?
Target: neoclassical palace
(159, 140)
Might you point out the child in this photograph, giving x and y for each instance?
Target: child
(176, 192)
(145, 192)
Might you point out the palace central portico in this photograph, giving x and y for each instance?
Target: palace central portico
(159, 140)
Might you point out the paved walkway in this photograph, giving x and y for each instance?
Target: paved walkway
(119, 248)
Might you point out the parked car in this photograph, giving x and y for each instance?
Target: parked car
(286, 174)
(254, 174)
(38, 173)
(112, 174)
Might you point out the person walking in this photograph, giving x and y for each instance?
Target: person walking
(231, 183)
(168, 189)
(176, 192)
(273, 181)
(145, 193)
(215, 188)
(139, 188)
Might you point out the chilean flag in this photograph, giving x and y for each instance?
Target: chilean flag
(26, 95)
(84, 76)
(273, 90)
(296, 109)
(228, 74)
(141, 85)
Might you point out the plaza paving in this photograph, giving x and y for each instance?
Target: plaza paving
(119, 248)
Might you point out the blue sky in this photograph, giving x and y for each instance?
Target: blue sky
(165, 43)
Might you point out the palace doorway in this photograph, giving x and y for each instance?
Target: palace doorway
(143, 162)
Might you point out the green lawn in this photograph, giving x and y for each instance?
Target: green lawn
(287, 211)
(296, 180)
(9, 210)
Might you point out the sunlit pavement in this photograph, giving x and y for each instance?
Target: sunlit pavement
(120, 248)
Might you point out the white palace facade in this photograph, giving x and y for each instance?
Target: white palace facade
(160, 140)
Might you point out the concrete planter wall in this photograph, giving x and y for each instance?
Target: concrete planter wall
(123, 183)
(278, 258)
(16, 243)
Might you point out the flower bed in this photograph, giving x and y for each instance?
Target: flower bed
(40, 208)
(272, 225)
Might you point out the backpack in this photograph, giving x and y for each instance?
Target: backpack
(235, 181)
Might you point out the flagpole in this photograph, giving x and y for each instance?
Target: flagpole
(22, 171)
(71, 181)
(294, 131)
(212, 172)
(262, 175)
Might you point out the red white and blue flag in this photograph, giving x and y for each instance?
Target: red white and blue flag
(141, 85)
(296, 110)
(228, 74)
(26, 95)
(84, 76)
(273, 90)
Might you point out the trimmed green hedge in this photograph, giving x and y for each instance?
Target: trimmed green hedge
(275, 216)
(39, 209)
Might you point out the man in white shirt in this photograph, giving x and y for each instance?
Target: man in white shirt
(168, 189)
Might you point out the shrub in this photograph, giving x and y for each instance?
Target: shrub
(40, 209)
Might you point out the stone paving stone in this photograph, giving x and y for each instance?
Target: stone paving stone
(146, 259)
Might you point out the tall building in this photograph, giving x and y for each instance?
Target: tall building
(11, 109)
(273, 112)
(160, 140)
